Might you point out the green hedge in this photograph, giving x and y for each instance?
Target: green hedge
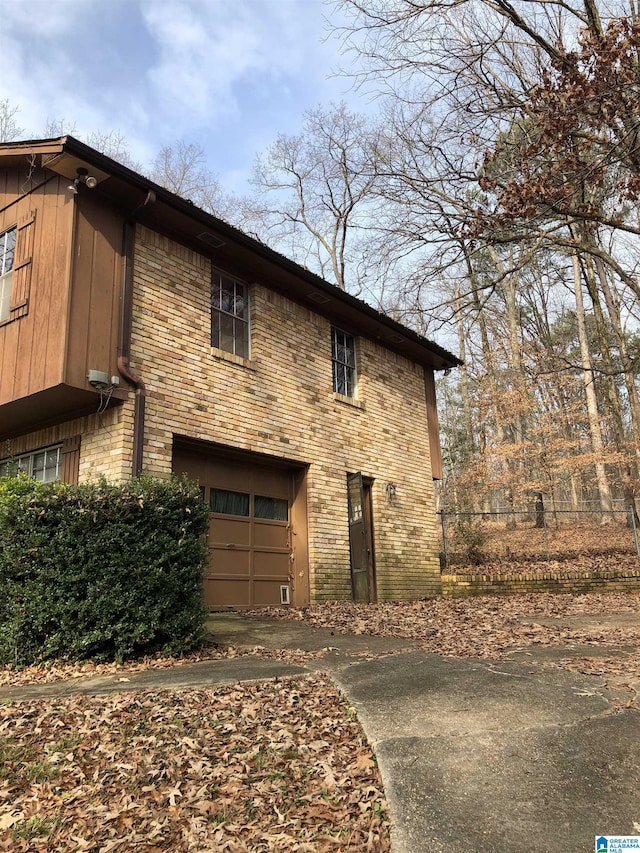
(100, 571)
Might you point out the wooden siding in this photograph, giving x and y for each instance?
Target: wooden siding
(95, 292)
(32, 340)
(433, 424)
(65, 299)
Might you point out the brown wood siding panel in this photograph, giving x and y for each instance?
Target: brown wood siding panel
(9, 186)
(55, 246)
(95, 301)
(70, 460)
(32, 341)
(434, 426)
(8, 364)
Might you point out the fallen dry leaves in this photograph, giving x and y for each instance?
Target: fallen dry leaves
(563, 546)
(278, 766)
(575, 567)
(495, 626)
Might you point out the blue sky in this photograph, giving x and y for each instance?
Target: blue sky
(226, 74)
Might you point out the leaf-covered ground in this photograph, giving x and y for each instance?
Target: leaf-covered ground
(281, 766)
(562, 547)
(575, 567)
(484, 626)
(494, 626)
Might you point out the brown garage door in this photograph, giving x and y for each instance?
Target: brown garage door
(250, 533)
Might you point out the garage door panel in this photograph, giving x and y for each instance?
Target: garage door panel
(233, 593)
(227, 530)
(249, 545)
(229, 561)
(268, 535)
(271, 564)
(266, 593)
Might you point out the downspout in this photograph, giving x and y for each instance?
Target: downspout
(124, 348)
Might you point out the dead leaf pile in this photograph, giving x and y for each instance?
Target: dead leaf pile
(278, 766)
(577, 567)
(587, 545)
(492, 626)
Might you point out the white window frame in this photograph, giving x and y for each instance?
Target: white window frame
(28, 463)
(7, 259)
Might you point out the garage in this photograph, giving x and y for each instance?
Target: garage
(257, 530)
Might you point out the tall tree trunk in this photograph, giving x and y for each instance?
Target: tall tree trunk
(514, 461)
(613, 308)
(595, 429)
(463, 372)
(489, 362)
(611, 390)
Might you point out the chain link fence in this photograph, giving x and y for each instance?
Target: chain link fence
(536, 534)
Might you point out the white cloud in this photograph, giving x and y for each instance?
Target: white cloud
(41, 18)
(210, 50)
(228, 74)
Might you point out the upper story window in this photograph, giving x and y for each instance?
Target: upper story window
(7, 254)
(43, 465)
(343, 357)
(229, 314)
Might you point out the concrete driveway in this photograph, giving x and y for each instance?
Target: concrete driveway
(474, 755)
(477, 756)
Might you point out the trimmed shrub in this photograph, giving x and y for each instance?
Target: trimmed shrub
(100, 571)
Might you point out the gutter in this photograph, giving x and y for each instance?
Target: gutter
(124, 348)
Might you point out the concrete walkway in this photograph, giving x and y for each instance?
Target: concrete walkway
(474, 755)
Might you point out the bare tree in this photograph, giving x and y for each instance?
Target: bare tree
(314, 191)
(9, 128)
(523, 117)
(112, 143)
(182, 169)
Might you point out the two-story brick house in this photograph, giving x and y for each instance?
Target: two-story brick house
(141, 334)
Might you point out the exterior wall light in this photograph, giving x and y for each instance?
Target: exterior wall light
(82, 176)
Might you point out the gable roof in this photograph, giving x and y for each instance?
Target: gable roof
(228, 247)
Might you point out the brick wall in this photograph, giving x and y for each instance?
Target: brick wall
(459, 586)
(105, 449)
(281, 403)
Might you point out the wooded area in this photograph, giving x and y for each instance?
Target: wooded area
(488, 199)
(504, 205)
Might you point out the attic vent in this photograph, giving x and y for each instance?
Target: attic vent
(211, 239)
(320, 298)
(395, 339)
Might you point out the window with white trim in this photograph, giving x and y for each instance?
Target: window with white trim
(343, 358)
(7, 255)
(42, 465)
(229, 314)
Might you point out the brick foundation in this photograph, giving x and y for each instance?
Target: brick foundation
(459, 585)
